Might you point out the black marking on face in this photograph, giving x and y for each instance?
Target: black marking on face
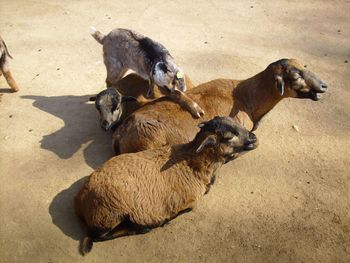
(216, 125)
(163, 67)
(115, 104)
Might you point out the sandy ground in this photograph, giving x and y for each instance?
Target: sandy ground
(288, 201)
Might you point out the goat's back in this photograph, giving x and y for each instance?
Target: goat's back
(163, 122)
(139, 186)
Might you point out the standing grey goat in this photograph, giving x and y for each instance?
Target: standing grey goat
(125, 49)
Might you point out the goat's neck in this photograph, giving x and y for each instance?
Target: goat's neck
(203, 164)
(257, 95)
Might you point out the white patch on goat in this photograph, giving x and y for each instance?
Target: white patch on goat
(159, 77)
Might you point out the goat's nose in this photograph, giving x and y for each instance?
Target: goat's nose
(105, 125)
(320, 88)
(323, 87)
(252, 138)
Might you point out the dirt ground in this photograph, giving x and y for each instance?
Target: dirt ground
(287, 201)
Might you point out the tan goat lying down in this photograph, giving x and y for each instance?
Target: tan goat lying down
(132, 193)
(128, 94)
(162, 122)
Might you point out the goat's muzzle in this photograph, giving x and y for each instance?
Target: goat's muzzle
(251, 143)
(314, 93)
(317, 90)
(105, 126)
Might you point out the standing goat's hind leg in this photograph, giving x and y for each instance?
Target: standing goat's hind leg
(5, 69)
(114, 73)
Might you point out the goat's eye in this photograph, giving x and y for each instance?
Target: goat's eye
(234, 138)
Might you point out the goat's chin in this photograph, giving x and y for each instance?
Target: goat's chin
(235, 155)
(315, 96)
(231, 157)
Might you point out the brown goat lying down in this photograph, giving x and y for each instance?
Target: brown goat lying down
(5, 67)
(116, 103)
(132, 193)
(162, 122)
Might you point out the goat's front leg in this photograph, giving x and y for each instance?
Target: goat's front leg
(150, 92)
(187, 103)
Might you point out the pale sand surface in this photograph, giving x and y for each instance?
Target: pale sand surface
(287, 201)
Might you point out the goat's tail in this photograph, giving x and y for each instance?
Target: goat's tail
(85, 245)
(97, 35)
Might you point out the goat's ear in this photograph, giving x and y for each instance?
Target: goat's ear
(92, 98)
(279, 84)
(209, 141)
(128, 98)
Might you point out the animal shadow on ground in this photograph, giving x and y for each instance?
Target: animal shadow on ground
(80, 127)
(62, 211)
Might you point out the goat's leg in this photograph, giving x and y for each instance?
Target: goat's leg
(125, 231)
(150, 92)
(114, 73)
(115, 144)
(5, 69)
(187, 103)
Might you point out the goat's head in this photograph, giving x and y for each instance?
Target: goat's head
(228, 137)
(294, 80)
(169, 76)
(108, 104)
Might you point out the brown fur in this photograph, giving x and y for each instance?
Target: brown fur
(5, 66)
(140, 88)
(135, 86)
(162, 122)
(146, 189)
(111, 113)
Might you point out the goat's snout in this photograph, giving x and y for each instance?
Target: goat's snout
(318, 88)
(250, 144)
(315, 83)
(105, 125)
(322, 87)
(252, 138)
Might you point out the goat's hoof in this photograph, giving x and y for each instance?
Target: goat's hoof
(150, 94)
(198, 112)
